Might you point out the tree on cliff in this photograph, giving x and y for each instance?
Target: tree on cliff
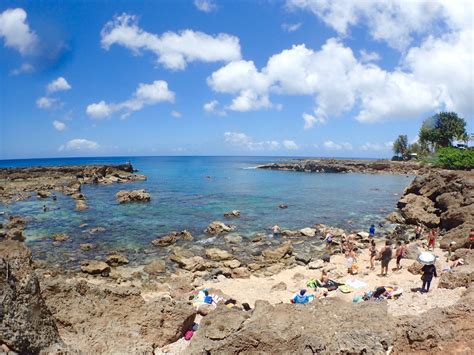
(400, 146)
(442, 129)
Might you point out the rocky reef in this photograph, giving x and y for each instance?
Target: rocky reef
(346, 166)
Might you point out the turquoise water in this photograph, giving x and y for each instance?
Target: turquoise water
(190, 192)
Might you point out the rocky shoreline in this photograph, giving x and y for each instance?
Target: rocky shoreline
(347, 166)
(109, 307)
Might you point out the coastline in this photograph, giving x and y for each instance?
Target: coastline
(256, 265)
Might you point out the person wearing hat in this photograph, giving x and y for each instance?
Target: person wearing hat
(428, 272)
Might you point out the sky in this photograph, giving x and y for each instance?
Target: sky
(218, 77)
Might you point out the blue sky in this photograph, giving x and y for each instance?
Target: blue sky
(295, 77)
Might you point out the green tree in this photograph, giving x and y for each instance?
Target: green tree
(400, 146)
(419, 149)
(442, 129)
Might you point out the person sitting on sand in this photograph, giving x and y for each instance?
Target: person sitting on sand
(399, 254)
(385, 256)
(302, 297)
(372, 231)
(428, 272)
(432, 239)
(324, 277)
(276, 230)
(328, 240)
(373, 254)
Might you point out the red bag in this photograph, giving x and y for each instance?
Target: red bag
(188, 335)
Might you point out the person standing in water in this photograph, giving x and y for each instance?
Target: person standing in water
(276, 230)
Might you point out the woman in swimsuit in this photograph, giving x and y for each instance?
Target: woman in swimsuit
(373, 254)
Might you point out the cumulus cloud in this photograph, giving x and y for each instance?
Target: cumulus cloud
(366, 57)
(245, 142)
(331, 145)
(46, 102)
(25, 68)
(59, 126)
(289, 144)
(59, 84)
(392, 21)
(145, 94)
(176, 114)
(376, 146)
(173, 50)
(291, 27)
(16, 32)
(205, 5)
(339, 82)
(79, 144)
(213, 107)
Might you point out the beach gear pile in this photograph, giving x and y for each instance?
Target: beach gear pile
(204, 298)
(379, 294)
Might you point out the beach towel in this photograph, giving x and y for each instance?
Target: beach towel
(356, 284)
(344, 289)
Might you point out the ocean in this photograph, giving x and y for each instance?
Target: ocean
(190, 192)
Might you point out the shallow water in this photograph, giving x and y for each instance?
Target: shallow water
(190, 192)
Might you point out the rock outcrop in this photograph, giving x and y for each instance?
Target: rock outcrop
(331, 326)
(99, 319)
(218, 227)
(26, 324)
(125, 196)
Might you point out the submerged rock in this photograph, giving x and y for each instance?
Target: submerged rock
(124, 196)
(60, 237)
(308, 232)
(233, 213)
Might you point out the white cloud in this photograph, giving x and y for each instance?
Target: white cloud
(245, 142)
(16, 32)
(176, 114)
(393, 21)
(310, 120)
(291, 27)
(146, 94)
(79, 144)
(366, 57)
(387, 146)
(58, 125)
(173, 50)
(25, 68)
(213, 107)
(46, 102)
(59, 84)
(330, 145)
(290, 145)
(205, 5)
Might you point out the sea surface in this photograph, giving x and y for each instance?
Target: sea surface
(190, 192)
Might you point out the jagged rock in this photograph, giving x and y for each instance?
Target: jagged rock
(97, 230)
(16, 222)
(233, 239)
(415, 268)
(317, 264)
(412, 251)
(43, 194)
(116, 260)
(281, 286)
(273, 255)
(233, 213)
(185, 235)
(78, 196)
(416, 214)
(95, 267)
(395, 217)
(449, 200)
(232, 264)
(218, 227)
(187, 260)
(115, 320)
(308, 232)
(291, 234)
(26, 324)
(331, 326)
(165, 240)
(453, 218)
(240, 273)
(461, 276)
(155, 267)
(15, 234)
(302, 257)
(216, 254)
(81, 205)
(459, 235)
(60, 237)
(124, 196)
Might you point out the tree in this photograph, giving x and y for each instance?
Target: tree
(442, 129)
(400, 146)
(418, 148)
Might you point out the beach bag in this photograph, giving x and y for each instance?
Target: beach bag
(188, 335)
(208, 299)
